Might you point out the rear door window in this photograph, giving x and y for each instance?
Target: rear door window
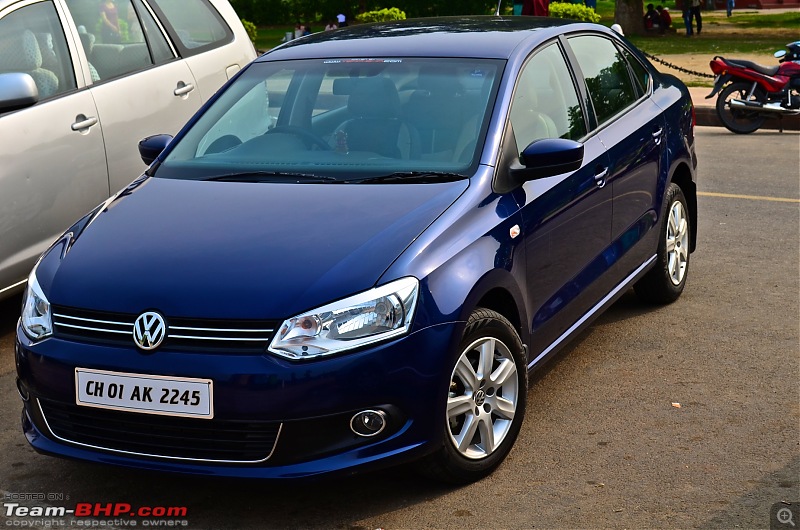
(196, 25)
(118, 37)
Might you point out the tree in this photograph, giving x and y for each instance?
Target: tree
(630, 15)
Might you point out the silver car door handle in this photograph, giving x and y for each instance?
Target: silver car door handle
(183, 89)
(657, 136)
(600, 176)
(83, 122)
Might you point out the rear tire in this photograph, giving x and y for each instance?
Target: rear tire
(485, 401)
(736, 120)
(664, 283)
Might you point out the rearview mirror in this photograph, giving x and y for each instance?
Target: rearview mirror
(17, 91)
(152, 146)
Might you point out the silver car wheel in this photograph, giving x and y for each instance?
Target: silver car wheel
(677, 243)
(483, 398)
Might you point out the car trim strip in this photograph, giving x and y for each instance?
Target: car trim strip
(193, 337)
(622, 285)
(103, 330)
(133, 453)
(232, 330)
(23, 282)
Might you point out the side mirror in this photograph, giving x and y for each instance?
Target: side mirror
(17, 91)
(152, 146)
(780, 54)
(547, 157)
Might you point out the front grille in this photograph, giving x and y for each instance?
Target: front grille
(227, 441)
(236, 336)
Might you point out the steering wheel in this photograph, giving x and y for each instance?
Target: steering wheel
(309, 138)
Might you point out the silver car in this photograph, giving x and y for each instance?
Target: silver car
(81, 82)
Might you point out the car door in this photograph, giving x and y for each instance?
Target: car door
(52, 160)
(632, 128)
(213, 49)
(140, 85)
(567, 217)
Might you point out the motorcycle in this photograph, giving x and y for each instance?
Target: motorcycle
(750, 93)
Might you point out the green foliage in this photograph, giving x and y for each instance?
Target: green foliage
(382, 15)
(573, 11)
(251, 29)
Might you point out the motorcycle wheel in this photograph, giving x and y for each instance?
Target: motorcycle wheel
(738, 120)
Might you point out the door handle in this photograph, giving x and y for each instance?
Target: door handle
(600, 176)
(657, 135)
(82, 123)
(183, 88)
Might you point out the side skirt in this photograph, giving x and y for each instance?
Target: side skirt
(594, 312)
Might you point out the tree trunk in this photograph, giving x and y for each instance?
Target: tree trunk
(630, 15)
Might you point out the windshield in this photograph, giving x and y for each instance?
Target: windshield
(343, 120)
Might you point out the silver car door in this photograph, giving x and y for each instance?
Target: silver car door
(140, 86)
(52, 161)
(212, 48)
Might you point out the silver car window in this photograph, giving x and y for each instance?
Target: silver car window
(195, 22)
(118, 37)
(32, 41)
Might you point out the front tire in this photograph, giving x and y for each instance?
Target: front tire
(738, 120)
(485, 401)
(664, 283)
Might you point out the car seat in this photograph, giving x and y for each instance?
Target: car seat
(376, 126)
(19, 52)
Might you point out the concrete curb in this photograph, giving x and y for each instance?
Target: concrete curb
(706, 113)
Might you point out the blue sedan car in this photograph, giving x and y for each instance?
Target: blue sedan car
(355, 254)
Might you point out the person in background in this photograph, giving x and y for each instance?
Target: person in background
(110, 21)
(331, 25)
(299, 30)
(591, 3)
(536, 8)
(731, 4)
(666, 19)
(342, 20)
(306, 29)
(651, 18)
(687, 16)
(696, 15)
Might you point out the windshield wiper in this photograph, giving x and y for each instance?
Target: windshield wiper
(267, 176)
(420, 177)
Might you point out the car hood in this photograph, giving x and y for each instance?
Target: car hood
(242, 250)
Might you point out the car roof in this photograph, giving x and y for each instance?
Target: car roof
(491, 37)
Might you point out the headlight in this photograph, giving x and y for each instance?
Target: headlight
(37, 319)
(365, 318)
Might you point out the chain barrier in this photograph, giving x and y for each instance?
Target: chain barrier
(675, 67)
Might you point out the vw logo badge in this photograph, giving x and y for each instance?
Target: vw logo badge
(149, 330)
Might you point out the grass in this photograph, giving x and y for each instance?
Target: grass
(270, 36)
(745, 32)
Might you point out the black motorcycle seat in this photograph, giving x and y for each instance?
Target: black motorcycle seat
(766, 70)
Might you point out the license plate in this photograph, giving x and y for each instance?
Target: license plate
(147, 394)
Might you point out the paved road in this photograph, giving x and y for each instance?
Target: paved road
(602, 445)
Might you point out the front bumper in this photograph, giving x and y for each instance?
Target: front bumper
(273, 418)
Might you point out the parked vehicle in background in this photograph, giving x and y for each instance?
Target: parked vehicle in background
(81, 82)
(750, 93)
(365, 271)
